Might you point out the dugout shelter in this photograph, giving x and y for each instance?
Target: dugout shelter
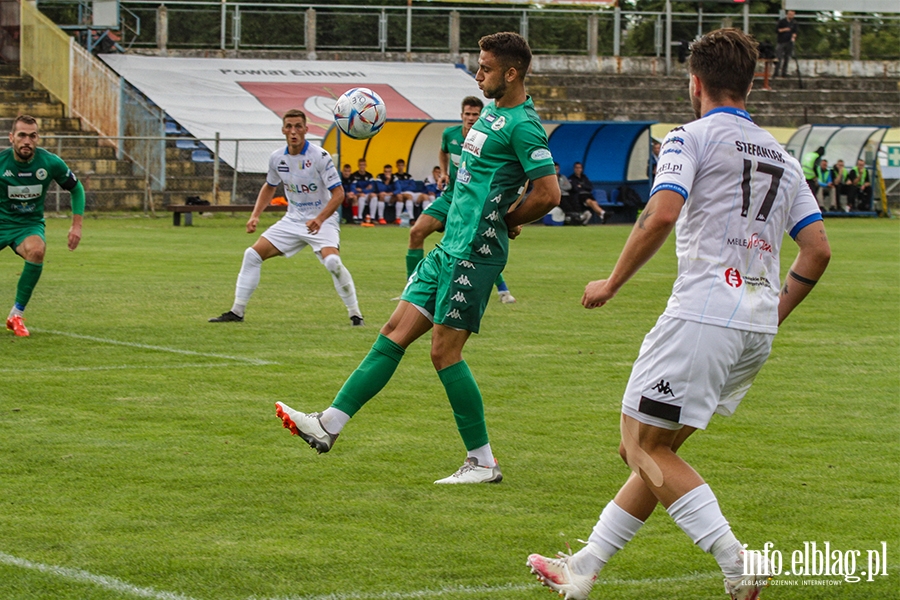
(843, 142)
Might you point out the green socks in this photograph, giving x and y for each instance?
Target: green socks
(370, 376)
(412, 259)
(468, 406)
(29, 278)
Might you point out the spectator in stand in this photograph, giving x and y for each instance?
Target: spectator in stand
(838, 180)
(825, 192)
(409, 196)
(351, 201)
(809, 162)
(432, 188)
(654, 158)
(784, 47)
(364, 184)
(859, 187)
(583, 191)
(388, 190)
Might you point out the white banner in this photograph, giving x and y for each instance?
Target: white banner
(245, 98)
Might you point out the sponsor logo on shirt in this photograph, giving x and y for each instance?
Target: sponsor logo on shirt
(463, 176)
(674, 140)
(668, 168)
(301, 188)
(672, 151)
(541, 154)
(733, 278)
(490, 118)
(29, 174)
(474, 142)
(25, 192)
(498, 124)
(753, 243)
(757, 282)
(41, 174)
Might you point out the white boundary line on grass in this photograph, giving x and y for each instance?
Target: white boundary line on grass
(252, 361)
(116, 368)
(112, 583)
(109, 583)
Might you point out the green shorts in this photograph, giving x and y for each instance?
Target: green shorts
(439, 208)
(454, 292)
(14, 235)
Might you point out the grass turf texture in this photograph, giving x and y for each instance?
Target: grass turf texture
(133, 471)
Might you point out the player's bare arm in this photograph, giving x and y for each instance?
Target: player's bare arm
(444, 162)
(337, 198)
(808, 267)
(75, 232)
(543, 197)
(263, 199)
(656, 222)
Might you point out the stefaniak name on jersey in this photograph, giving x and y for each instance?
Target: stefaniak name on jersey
(759, 151)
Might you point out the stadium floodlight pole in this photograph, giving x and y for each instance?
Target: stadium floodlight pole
(223, 23)
(408, 29)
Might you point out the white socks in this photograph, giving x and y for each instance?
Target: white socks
(613, 530)
(247, 280)
(343, 283)
(699, 516)
(376, 203)
(483, 455)
(333, 420)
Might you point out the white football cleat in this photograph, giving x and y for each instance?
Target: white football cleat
(749, 586)
(556, 575)
(309, 427)
(472, 472)
(506, 297)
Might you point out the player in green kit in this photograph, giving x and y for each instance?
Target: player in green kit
(433, 218)
(451, 286)
(25, 175)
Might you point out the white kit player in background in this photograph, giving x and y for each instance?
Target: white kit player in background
(731, 192)
(314, 193)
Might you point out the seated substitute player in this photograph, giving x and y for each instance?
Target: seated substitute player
(388, 190)
(433, 190)
(409, 196)
(351, 201)
(314, 193)
(451, 286)
(25, 175)
(433, 218)
(703, 353)
(364, 185)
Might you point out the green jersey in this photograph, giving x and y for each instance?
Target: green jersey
(23, 186)
(451, 143)
(504, 148)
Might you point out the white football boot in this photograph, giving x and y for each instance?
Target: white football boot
(556, 575)
(472, 472)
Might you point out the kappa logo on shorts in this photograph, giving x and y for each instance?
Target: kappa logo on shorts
(663, 388)
(463, 280)
(733, 278)
(454, 314)
(466, 264)
(490, 232)
(485, 250)
(494, 216)
(459, 297)
(496, 199)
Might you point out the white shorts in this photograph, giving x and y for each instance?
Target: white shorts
(687, 371)
(290, 236)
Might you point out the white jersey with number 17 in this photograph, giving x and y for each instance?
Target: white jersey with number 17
(742, 192)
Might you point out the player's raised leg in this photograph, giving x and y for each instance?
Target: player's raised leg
(31, 249)
(343, 283)
(320, 430)
(247, 279)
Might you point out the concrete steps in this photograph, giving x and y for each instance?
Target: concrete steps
(860, 101)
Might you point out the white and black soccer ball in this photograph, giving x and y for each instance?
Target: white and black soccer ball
(360, 113)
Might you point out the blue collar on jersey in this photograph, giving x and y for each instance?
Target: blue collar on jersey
(303, 151)
(739, 112)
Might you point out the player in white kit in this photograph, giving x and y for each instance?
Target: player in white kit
(314, 193)
(731, 192)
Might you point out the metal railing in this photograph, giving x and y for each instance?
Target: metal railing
(231, 25)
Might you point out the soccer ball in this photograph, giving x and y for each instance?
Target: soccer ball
(360, 113)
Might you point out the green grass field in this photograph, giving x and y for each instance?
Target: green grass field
(140, 455)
